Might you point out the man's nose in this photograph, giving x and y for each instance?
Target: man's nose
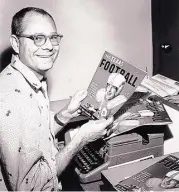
(48, 45)
(110, 88)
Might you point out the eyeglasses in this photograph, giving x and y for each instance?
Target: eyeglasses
(40, 39)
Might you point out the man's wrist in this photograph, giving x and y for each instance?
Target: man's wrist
(59, 121)
(80, 140)
(82, 137)
(62, 118)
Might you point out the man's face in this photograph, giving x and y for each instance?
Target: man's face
(112, 91)
(39, 59)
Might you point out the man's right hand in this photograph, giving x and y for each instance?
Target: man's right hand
(88, 132)
(93, 130)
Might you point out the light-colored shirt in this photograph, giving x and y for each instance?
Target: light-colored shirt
(27, 149)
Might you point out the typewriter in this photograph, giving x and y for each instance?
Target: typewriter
(100, 155)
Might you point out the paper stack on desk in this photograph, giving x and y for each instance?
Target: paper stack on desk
(164, 89)
(139, 108)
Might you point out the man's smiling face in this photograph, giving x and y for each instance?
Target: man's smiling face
(39, 59)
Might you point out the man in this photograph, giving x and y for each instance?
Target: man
(110, 97)
(29, 159)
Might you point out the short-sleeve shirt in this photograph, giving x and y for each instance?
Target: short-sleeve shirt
(24, 106)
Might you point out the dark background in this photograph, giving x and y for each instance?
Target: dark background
(165, 31)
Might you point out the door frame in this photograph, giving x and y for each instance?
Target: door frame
(155, 15)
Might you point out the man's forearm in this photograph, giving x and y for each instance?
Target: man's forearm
(64, 157)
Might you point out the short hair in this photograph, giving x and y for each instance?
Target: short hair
(17, 20)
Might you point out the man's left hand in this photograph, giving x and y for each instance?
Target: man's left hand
(74, 105)
(73, 108)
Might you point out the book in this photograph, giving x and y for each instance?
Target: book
(112, 85)
(160, 176)
(139, 108)
(164, 89)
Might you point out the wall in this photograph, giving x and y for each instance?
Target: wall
(122, 27)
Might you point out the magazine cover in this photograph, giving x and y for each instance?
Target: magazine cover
(161, 176)
(164, 89)
(111, 86)
(139, 108)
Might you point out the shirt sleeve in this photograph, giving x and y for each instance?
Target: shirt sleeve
(22, 168)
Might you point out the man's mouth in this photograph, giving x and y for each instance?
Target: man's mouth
(46, 55)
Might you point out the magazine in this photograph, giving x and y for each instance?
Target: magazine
(141, 109)
(111, 86)
(161, 176)
(164, 89)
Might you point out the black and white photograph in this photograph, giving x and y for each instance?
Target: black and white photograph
(89, 92)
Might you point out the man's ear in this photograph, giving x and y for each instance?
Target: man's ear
(14, 43)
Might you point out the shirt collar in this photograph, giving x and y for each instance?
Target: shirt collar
(26, 72)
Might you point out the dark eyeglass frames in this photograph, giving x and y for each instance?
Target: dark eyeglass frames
(40, 39)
